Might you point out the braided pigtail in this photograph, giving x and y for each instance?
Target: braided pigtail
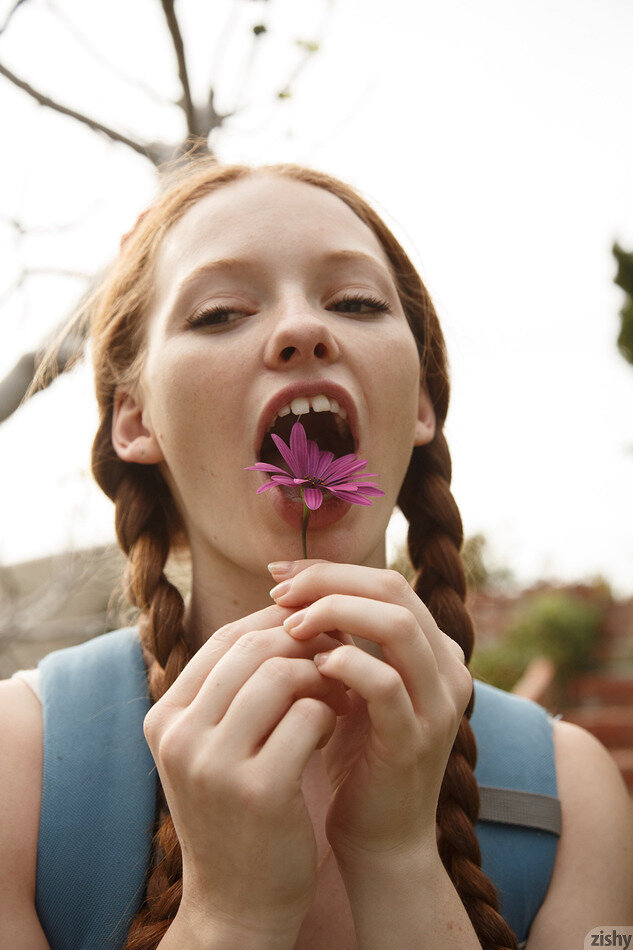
(435, 538)
(145, 522)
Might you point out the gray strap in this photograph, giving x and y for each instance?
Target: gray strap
(512, 807)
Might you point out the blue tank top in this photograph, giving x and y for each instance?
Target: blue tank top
(99, 795)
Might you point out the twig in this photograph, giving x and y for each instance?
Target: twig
(36, 271)
(25, 231)
(99, 57)
(146, 151)
(179, 47)
(10, 15)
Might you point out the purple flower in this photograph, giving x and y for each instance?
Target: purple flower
(318, 471)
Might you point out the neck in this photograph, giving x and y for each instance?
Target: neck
(223, 591)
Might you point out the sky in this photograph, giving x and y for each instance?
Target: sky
(494, 138)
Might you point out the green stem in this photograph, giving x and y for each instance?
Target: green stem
(304, 527)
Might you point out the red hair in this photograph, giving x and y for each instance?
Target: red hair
(149, 526)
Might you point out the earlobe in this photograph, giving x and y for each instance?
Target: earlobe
(425, 426)
(132, 441)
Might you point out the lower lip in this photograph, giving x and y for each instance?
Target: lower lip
(332, 509)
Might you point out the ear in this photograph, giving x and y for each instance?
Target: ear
(425, 426)
(132, 441)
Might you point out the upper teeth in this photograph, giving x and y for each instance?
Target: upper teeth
(302, 404)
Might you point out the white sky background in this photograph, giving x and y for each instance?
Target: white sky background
(495, 138)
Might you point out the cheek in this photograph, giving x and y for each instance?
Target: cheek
(401, 388)
(188, 403)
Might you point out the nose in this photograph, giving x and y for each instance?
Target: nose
(300, 335)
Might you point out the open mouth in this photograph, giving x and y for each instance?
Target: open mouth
(330, 432)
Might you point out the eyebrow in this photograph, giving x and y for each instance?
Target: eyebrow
(237, 263)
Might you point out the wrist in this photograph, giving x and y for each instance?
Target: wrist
(394, 865)
(199, 929)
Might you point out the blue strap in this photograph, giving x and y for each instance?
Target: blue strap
(515, 750)
(98, 794)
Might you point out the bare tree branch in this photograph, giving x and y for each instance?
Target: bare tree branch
(179, 47)
(201, 121)
(35, 272)
(10, 15)
(16, 383)
(85, 42)
(69, 336)
(147, 151)
(25, 231)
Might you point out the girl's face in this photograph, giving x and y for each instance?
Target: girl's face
(207, 379)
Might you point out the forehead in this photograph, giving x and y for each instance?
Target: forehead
(264, 217)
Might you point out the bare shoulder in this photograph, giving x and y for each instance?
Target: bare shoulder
(21, 754)
(592, 881)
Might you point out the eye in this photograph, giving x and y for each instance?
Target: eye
(358, 300)
(212, 316)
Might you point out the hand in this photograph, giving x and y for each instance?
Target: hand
(230, 739)
(386, 759)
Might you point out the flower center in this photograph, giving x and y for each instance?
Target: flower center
(314, 482)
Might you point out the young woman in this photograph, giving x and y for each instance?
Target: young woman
(341, 783)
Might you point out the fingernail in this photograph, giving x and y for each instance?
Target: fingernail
(280, 589)
(280, 567)
(320, 658)
(290, 623)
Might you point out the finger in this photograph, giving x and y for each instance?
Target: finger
(308, 725)
(284, 569)
(389, 706)
(238, 665)
(268, 695)
(326, 577)
(187, 685)
(404, 645)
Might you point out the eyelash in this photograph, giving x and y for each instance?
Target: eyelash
(205, 317)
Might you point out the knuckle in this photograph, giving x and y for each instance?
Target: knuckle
(465, 688)
(333, 601)
(407, 624)
(155, 721)
(227, 634)
(396, 584)
(150, 724)
(456, 648)
(258, 792)
(312, 710)
(248, 642)
(172, 749)
(390, 682)
(278, 668)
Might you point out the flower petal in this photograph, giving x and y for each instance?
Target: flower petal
(346, 465)
(351, 497)
(286, 453)
(370, 490)
(265, 467)
(313, 498)
(324, 460)
(284, 479)
(265, 487)
(299, 448)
